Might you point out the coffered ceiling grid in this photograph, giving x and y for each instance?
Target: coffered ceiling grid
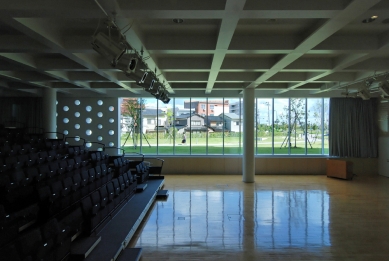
(221, 48)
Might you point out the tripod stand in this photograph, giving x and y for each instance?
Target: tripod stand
(132, 130)
(287, 138)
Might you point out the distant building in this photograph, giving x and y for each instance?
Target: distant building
(153, 118)
(215, 108)
(178, 111)
(233, 122)
(190, 123)
(215, 123)
(236, 107)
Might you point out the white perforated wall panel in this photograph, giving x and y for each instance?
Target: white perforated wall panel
(94, 119)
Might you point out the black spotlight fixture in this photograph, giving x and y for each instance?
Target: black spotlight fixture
(128, 63)
(109, 48)
(370, 19)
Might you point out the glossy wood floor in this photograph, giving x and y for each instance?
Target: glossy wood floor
(275, 218)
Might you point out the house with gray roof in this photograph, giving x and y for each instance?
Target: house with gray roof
(232, 122)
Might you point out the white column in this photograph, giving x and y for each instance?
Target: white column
(248, 161)
(49, 111)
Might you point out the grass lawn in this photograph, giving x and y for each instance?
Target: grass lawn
(231, 146)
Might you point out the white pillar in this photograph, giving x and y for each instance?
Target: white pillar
(49, 111)
(248, 161)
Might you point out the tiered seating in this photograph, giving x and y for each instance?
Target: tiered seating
(52, 192)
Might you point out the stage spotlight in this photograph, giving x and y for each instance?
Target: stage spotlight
(369, 82)
(384, 88)
(364, 94)
(107, 47)
(140, 74)
(164, 97)
(128, 63)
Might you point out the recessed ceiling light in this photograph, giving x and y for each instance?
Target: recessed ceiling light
(178, 20)
(371, 19)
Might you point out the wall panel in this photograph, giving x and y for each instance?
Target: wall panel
(94, 119)
(263, 166)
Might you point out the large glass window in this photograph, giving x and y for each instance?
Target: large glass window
(166, 128)
(281, 126)
(264, 123)
(214, 126)
(198, 129)
(234, 127)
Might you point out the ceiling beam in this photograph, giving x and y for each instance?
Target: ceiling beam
(226, 32)
(341, 19)
(39, 31)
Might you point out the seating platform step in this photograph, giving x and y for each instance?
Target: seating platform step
(82, 247)
(141, 187)
(162, 194)
(130, 254)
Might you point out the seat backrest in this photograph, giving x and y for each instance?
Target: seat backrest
(103, 195)
(50, 230)
(86, 205)
(84, 177)
(95, 197)
(116, 186)
(32, 174)
(122, 183)
(111, 191)
(77, 180)
(92, 175)
(29, 243)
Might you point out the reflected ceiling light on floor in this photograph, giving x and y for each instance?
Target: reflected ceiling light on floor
(109, 48)
(370, 19)
(384, 88)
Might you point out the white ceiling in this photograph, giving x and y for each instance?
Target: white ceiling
(278, 47)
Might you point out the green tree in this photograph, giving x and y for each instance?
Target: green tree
(131, 108)
(296, 110)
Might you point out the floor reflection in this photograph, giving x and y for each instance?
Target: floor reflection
(216, 219)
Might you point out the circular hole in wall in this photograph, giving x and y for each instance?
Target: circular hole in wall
(65, 120)
(77, 114)
(111, 132)
(99, 138)
(88, 108)
(111, 144)
(65, 108)
(99, 126)
(88, 144)
(100, 102)
(77, 138)
(111, 120)
(65, 132)
(111, 108)
(77, 126)
(100, 114)
(77, 102)
(88, 120)
(88, 132)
